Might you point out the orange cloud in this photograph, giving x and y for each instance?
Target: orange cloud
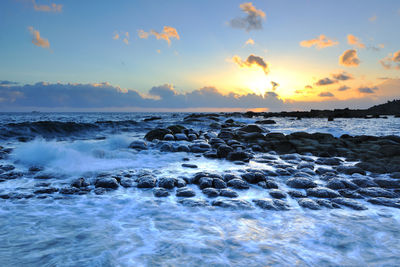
(47, 8)
(142, 34)
(167, 34)
(251, 60)
(321, 42)
(352, 40)
(249, 42)
(37, 40)
(391, 61)
(349, 58)
(373, 18)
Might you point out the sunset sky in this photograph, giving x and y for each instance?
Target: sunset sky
(198, 55)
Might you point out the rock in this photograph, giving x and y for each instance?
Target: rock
(69, 190)
(252, 136)
(271, 204)
(252, 128)
(395, 175)
(49, 190)
(364, 182)
(126, 182)
(219, 183)
(232, 203)
(223, 151)
(139, 145)
(185, 192)
(205, 182)
(181, 137)
(176, 128)
(180, 182)
(146, 181)
(36, 168)
(322, 170)
(296, 194)
(308, 203)
(387, 182)
(253, 177)
(42, 184)
(349, 193)
(383, 201)
(79, 183)
(238, 184)
(183, 148)
(349, 203)
(329, 161)
(43, 176)
(193, 202)
(268, 184)
(266, 122)
(167, 183)
(228, 193)
(100, 191)
(327, 204)
(210, 192)
(276, 193)
(238, 155)
(107, 182)
(7, 168)
(160, 192)
(322, 192)
(335, 184)
(228, 177)
(166, 147)
(301, 182)
(157, 134)
(169, 137)
(350, 170)
(187, 165)
(376, 192)
(200, 148)
(305, 165)
(152, 119)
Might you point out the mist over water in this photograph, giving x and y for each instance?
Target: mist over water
(130, 227)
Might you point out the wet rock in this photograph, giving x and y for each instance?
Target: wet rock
(238, 184)
(42, 184)
(276, 193)
(395, 175)
(383, 201)
(200, 148)
(268, 184)
(49, 190)
(349, 193)
(69, 190)
(327, 204)
(179, 182)
(35, 169)
(181, 137)
(271, 204)
(228, 193)
(205, 182)
(301, 183)
(185, 192)
(387, 182)
(266, 122)
(253, 177)
(7, 167)
(376, 192)
(126, 182)
(176, 128)
(166, 147)
(350, 170)
(296, 194)
(329, 161)
(364, 182)
(152, 119)
(193, 202)
(322, 192)
(210, 192)
(139, 145)
(219, 183)
(183, 148)
(228, 177)
(239, 156)
(187, 165)
(157, 134)
(305, 165)
(169, 137)
(167, 183)
(146, 181)
(335, 184)
(80, 182)
(252, 128)
(160, 192)
(349, 203)
(308, 203)
(223, 151)
(43, 177)
(107, 182)
(232, 203)
(100, 191)
(322, 170)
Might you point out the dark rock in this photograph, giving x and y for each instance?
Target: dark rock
(232, 203)
(187, 165)
(139, 145)
(80, 182)
(205, 182)
(238, 184)
(146, 181)
(183, 148)
(193, 202)
(252, 128)
(223, 151)
(49, 190)
(100, 191)
(253, 177)
(268, 184)
(219, 183)
(166, 147)
(167, 183)
(322, 170)
(7, 167)
(185, 192)
(383, 201)
(210, 192)
(395, 175)
(42, 184)
(180, 182)
(308, 203)
(152, 119)
(327, 204)
(349, 203)
(157, 134)
(364, 182)
(306, 165)
(322, 192)
(301, 182)
(239, 155)
(107, 182)
(296, 194)
(228, 177)
(266, 122)
(328, 161)
(271, 204)
(43, 177)
(376, 192)
(210, 154)
(387, 182)
(335, 184)
(126, 182)
(35, 169)
(169, 137)
(276, 193)
(160, 192)
(228, 193)
(350, 170)
(349, 193)
(181, 137)
(176, 128)
(69, 190)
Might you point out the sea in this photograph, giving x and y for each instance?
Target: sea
(129, 226)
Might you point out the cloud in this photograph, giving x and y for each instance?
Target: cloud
(124, 36)
(377, 48)
(352, 40)
(349, 58)
(249, 42)
(325, 81)
(391, 61)
(275, 85)
(373, 18)
(368, 90)
(326, 94)
(37, 40)
(321, 42)
(253, 20)
(47, 8)
(116, 36)
(343, 88)
(167, 34)
(343, 76)
(7, 83)
(251, 60)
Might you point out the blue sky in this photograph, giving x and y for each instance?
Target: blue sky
(82, 49)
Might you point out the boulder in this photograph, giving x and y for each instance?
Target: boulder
(139, 145)
(107, 182)
(322, 192)
(301, 183)
(166, 182)
(160, 192)
(308, 203)
(185, 192)
(210, 192)
(228, 193)
(349, 203)
(146, 181)
(158, 133)
(276, 193)
(232, 203)
(238, 184)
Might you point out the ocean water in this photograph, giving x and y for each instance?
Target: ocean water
(130, 227)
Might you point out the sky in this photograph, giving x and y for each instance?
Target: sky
(174, 55)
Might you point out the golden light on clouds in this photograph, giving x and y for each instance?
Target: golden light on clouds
(320, 42)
